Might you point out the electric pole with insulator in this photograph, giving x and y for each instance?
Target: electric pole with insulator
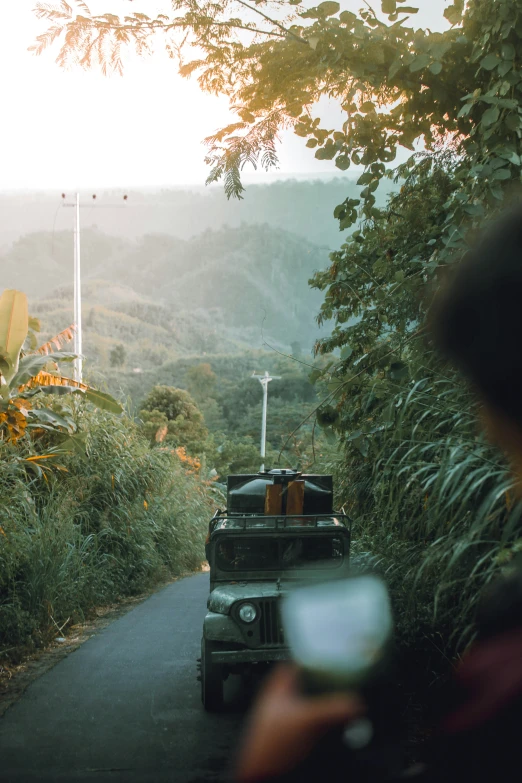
(264, 380)
(78, 338)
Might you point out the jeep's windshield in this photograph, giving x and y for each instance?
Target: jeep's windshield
(252, 554)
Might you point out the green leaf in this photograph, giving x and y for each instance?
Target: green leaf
(327, 416)
(365, 178)
(420, 62)
(454, 13)
(346, 352)
(395, 67)
(436, 68)
(512, 122)
(505, 67)
(362, 445)
(330, 435)
(48, 416)
(491, 116)
(14, 325)
(105, 402)
(501, 174)
(465, 110)
(389, 6)
(334, 385)
(342, 162)
(511, 156)
(300, 129)
(57, 390)
(328, 8)
(489, 62)
(327, 152)
(508, 51)
(348, 18)
(475, 210)
(75, 444)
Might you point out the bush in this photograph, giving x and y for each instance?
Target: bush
(108, 526)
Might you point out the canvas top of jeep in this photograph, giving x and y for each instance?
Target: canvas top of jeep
(279, 523)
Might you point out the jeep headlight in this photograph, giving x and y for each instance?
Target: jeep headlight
(248, 613)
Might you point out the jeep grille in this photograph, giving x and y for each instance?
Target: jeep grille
(271, 632)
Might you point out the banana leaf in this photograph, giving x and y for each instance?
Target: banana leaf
(46, 416)
(32, 364)
(105, 402)
(14, 325)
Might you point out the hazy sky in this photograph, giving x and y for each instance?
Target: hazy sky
(79, 129)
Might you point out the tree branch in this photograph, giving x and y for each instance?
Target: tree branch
(272, 21)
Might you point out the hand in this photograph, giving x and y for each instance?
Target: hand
(285, 725)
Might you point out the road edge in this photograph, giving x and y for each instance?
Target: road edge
(15, 680)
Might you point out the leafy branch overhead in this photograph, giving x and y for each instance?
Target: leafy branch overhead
(274, 60)
(456, 92)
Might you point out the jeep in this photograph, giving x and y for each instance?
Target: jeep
(278, 531)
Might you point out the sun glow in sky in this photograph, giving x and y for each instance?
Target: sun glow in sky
(75, 129)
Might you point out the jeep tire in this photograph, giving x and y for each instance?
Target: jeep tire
(211, 678)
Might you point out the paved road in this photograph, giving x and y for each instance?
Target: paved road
(126, 705)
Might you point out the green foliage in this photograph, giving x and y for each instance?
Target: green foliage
(435, 506)
(460, 83)
(239, 455)
(170, 415)
(118, 356)
(429, 496)
(431, 499)
(201, 380)
(102, 527)
(219, 293)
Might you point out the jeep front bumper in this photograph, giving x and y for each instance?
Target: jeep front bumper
(251, 656)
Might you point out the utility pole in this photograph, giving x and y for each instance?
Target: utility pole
(78, 337)
(264, 380)
(78, 362)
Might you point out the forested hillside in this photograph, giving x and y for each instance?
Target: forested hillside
(160, 297)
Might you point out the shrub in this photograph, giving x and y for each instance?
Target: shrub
(109, 525)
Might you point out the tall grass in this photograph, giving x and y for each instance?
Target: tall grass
(433, 503)
(111, 526)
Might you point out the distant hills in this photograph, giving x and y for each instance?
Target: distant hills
(178, 273)
(301, 207)
(224, 291)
